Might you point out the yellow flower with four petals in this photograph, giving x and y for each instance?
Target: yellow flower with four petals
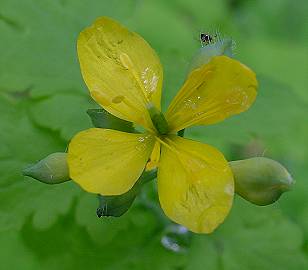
(124, 76)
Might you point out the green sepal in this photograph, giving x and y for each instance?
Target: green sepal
(204, 54)
(260, 180)
(117, 205)
(102, 119)
(53, 169)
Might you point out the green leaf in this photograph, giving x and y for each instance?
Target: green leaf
(109, 245)
(39, 41)
(64, 113)
(12, 244)
(264, 240)
(38, 59)
(25, 143)
(118, 205)
(103, 119)
(135, 235)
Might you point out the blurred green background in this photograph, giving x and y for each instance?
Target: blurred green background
(43, 102)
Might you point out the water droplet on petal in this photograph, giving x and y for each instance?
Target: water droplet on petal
(229, 189)
(150, 80)
(189, 104)
(118, 99)
(126, 61)
(142, 145)
(141, 139)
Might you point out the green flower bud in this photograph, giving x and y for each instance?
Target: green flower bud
(53, 169)
(118, 205)
(204, 54)
(260, 180)
(158, 119)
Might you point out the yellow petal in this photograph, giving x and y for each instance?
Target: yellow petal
(195, 184)
(108, 162)
(213, 92)
(154, 159)
(121, 70)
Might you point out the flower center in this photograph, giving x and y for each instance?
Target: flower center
(158, 119)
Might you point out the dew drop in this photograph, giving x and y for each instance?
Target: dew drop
(150, 80)
(189, 104)
(141, 139)
(176, 238)
(199, 114)
(118, 99)
(126, 61)
(229, 189)
(244, 99)
(141, 146)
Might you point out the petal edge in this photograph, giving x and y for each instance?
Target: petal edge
(195, 184)
(121, 70)
(108, 162)
(212, 93)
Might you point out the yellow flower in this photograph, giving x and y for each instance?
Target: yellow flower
(124, 76)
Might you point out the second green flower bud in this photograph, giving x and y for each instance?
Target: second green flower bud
(260, 180)
(53, 169)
